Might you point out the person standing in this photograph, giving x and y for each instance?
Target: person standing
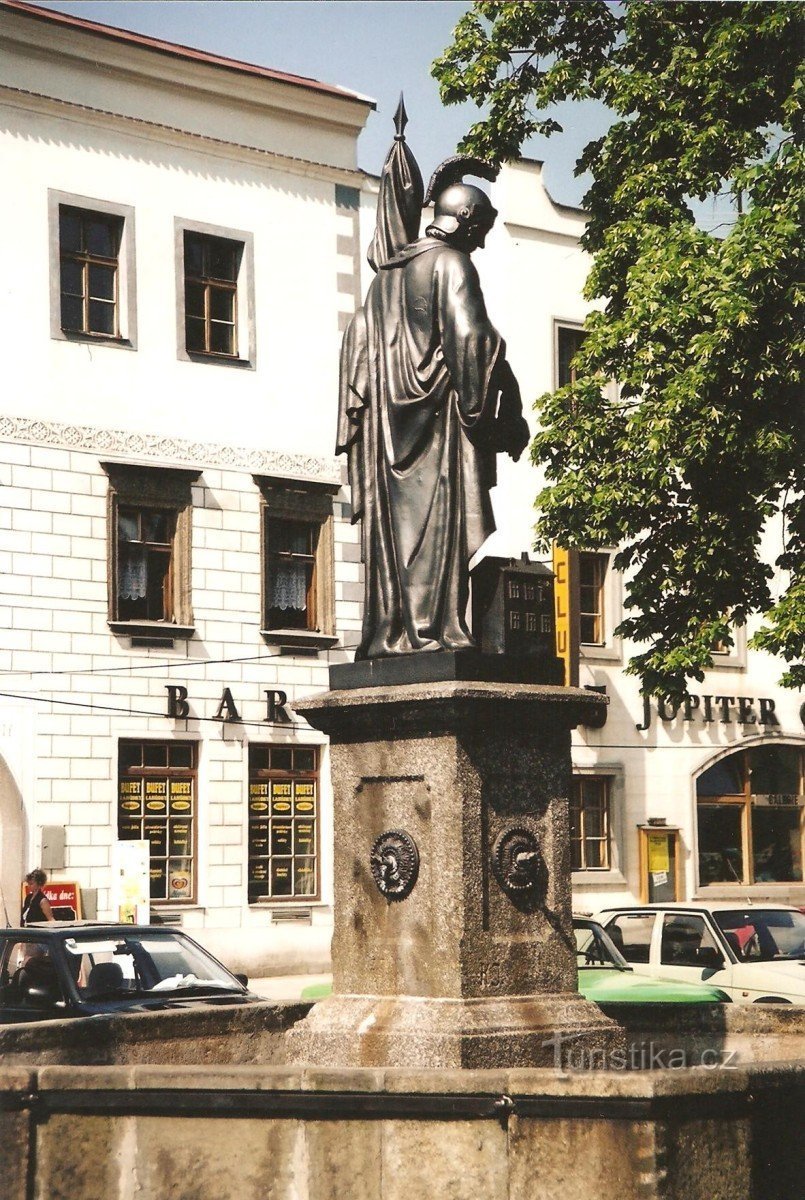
(36, 906)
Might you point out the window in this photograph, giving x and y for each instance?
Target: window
(157, 804)
(589, 823)
(211, 268)
(283, 823)
(291, 573)
(89, 244)
(215, 291)
(150, 517)
(687, 942)
(632, 933)
(750, 809)
(92, 270)
(592, 575)
(297, 522)
(569, 340)
(144, 552)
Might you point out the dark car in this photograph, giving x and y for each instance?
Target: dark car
(76, 969)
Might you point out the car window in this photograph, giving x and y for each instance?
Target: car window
(594, 947)
(631, 933)
(27, 965)
(687, 942)
(762, 935)
(117, 965)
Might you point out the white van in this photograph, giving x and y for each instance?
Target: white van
(754, 954)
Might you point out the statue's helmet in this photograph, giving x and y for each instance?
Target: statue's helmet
(461, 206)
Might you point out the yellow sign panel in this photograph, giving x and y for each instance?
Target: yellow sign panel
(567, 633)
(659, 858)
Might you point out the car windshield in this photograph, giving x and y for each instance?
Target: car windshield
(595, 948)
(763, 934)
(142, 963)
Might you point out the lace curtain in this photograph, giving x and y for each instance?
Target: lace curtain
(288, 586)
(133, 579)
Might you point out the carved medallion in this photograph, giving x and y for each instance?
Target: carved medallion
(395, 864)
(517, 862)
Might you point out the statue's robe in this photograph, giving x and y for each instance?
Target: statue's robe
(421, 371)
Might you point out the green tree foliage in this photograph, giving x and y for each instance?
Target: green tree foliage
(703, 444)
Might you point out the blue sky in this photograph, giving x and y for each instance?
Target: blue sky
(377, 47)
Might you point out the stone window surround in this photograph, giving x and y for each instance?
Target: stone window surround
(246, 335)
(127, 286)
(144, 485)
(310, 501)
(613, 876)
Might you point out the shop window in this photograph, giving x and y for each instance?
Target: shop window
(750, 817)
(590, 824)
(150, 519)
(283, 823)
(721, 843)
(157, 804)
(92, 270)
(297, 588)
(215, 289)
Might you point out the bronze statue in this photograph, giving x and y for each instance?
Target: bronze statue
(427, 400)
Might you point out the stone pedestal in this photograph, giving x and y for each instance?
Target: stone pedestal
(476, 965)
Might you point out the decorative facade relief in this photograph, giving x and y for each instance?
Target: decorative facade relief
(170, 450)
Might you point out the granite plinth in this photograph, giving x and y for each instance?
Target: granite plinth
(439, 665)
(460, 970)
(428, 1033)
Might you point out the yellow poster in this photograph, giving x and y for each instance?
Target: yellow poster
(659, 858)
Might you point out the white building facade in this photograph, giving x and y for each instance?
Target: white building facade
(177, 559)
(702, 801)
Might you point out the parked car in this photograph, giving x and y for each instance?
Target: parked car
(81, 969)
(756, 954)
(605, 976)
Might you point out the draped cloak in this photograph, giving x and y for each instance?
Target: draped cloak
(421, 371)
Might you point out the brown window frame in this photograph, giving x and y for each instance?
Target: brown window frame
(263, 777)
(309, 504)
(276, 558)
(578, 835)
(595, 612)
(153, 551)
(212, 286)
(85, 260)
(145, 773)
(143, 489)
(742, 801)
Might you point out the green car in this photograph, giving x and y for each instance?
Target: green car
(605, 976)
